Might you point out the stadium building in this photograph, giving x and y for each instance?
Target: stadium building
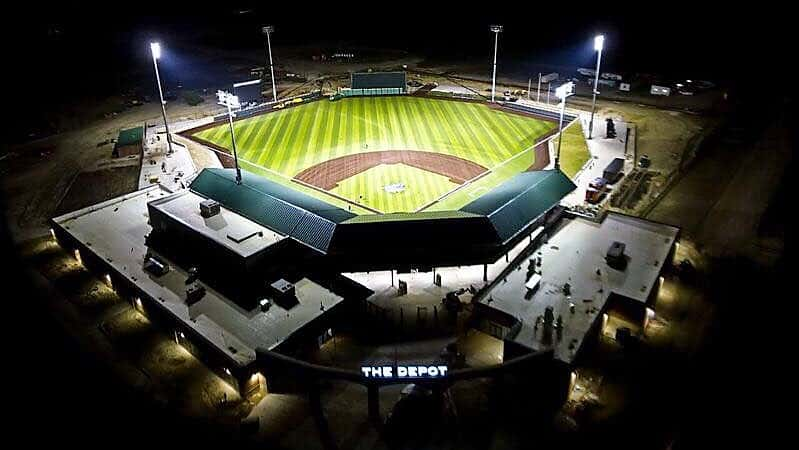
(247, 274)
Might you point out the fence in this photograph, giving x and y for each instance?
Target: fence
(370, 92)
(264, 107)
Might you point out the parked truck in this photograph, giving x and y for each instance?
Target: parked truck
(612, 172)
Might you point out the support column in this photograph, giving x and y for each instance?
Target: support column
(485, 273)
(373, 391)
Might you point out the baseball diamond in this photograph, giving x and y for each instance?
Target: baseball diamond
(344, 149)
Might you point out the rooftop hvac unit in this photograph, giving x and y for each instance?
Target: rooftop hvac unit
(282, 288)
(209, 208)
(194, 293)
(615, 256)
(155, 267)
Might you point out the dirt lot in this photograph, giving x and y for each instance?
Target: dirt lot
(37, 176)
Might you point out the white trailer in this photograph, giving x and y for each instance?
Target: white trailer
(611, 76)
(660, 90)
(550, 77)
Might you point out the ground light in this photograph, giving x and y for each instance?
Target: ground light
(231, 101)
(268, 30)
(155, 49)
(563, 92)
(599, 44)
(496, 29)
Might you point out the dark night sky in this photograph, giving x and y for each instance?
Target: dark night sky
(695, 41)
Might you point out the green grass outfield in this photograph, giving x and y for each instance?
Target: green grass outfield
(291, 140)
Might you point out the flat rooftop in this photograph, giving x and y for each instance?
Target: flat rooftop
(114, 231)
(237, 233)
(573, 256)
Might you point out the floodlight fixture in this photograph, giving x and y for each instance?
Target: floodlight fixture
(155, 49)
(227, 99)
(565, 90)
(599, 42)
(496, 28)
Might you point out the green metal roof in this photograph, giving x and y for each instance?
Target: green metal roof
(520, 200)
(479, 230)
(131, 136)
(273, 205)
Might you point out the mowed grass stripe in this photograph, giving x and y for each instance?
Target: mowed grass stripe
(505, 132)
(482, 132)
(504, 122)
(274, 141)
(528, 134)
(407, 117)
(389, 128)
(501, 133)
(249, 143)
(353, 131)
(473, 152)
(423, 136)
(405, 123)
(334, 134)
(262, 142)
(432, 125)
(309, 146)
(344, 136)
(496, 141)
(299, 143)
(456, 142)
(377, 127)
(285, 153)
(328, 125)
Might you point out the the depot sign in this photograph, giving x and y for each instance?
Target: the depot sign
(404, 371)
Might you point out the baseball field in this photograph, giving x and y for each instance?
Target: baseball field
(385, 154)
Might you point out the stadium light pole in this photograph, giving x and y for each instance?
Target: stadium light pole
(599, 43)
(231, 101)
(496, 29)
(268, 30)
(155, 49)
(538, 96)
(563, 92)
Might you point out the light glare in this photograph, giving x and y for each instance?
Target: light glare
(599, 42)
(155, 48)
(564, 90)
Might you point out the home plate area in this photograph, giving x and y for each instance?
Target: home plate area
(391, 188)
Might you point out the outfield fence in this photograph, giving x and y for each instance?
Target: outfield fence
(370, 92)
(269, 106)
